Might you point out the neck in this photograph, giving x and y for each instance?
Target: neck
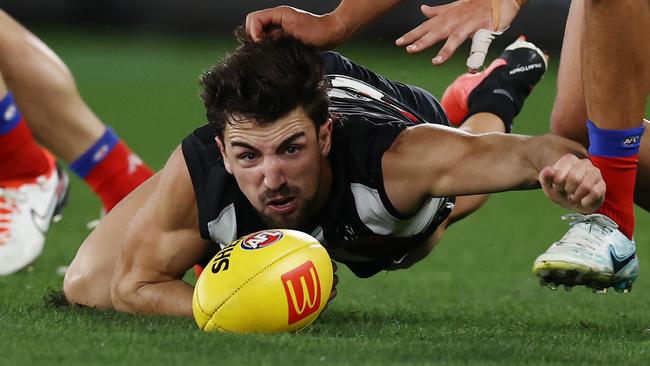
(324, 190)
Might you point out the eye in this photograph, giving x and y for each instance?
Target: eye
(293, 149)
(247, 156)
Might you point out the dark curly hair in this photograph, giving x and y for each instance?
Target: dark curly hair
(264, 81)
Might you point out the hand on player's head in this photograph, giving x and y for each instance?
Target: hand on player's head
(322, 31)
(573, 183)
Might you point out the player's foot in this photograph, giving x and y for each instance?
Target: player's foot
(26, 209)
(593, 253)
(513, 74)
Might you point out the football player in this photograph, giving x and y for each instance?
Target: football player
(41, 112)
(610, 94)
(315, 142)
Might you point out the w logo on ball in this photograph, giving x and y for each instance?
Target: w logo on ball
(302, 287)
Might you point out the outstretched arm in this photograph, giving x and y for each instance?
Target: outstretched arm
(430, 160)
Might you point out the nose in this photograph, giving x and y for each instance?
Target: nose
(273, 176)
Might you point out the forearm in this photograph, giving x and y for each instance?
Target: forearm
(545, 150)
(351, 15)
(173, 297)
(495, 162)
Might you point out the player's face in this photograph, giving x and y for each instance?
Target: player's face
(280, 166)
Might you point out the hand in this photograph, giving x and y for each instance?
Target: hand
(322, 31)
(573, 183)
(456, 22)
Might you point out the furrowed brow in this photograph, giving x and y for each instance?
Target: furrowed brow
(289, 140)
(242, 145)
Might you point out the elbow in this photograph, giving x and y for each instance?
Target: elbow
(124, 296)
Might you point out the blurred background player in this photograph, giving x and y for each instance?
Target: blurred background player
(609, 85)
(41, 110)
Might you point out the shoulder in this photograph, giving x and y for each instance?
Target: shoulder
(173, 197)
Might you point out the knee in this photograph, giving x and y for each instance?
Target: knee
(568, 125)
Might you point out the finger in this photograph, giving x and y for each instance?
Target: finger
(594, 199)
(449, 48)
(546, 176)
(590, 192)
(257, 21)
(334, 267)
(428, 39)
(584, 188)
(574, 179)
(561, 171)
(432, 11)
(481, 42)
(412, 35)
(253, 27)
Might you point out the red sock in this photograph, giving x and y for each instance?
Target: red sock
(619, 174)
(120, 172)
(20, 156)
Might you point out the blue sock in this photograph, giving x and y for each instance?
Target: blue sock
(85, 163)
(614, 143)
(9, 114)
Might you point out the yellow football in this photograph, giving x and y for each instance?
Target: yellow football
(266, 282)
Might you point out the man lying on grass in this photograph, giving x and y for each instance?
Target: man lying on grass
(314, 142)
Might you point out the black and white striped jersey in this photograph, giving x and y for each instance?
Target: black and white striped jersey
(358, 225)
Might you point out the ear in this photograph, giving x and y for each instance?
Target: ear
(226, 163)
(325, 137)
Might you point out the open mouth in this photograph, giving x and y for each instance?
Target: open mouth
(282, 205)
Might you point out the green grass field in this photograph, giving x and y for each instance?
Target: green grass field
(473, 301)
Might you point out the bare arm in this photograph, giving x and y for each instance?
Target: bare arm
(162, 243)
(323, 31)
(429, 160)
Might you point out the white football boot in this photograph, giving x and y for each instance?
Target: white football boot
(26, 209)
(593, 253)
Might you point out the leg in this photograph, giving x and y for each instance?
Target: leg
(61, 120)
(642, 185)
(615, 94)
(570, 111)
(32, 189)
(615, 83)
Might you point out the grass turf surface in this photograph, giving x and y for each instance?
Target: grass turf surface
(474, 300)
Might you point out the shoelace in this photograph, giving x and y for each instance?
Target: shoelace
(8, 199)
(599, 225)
